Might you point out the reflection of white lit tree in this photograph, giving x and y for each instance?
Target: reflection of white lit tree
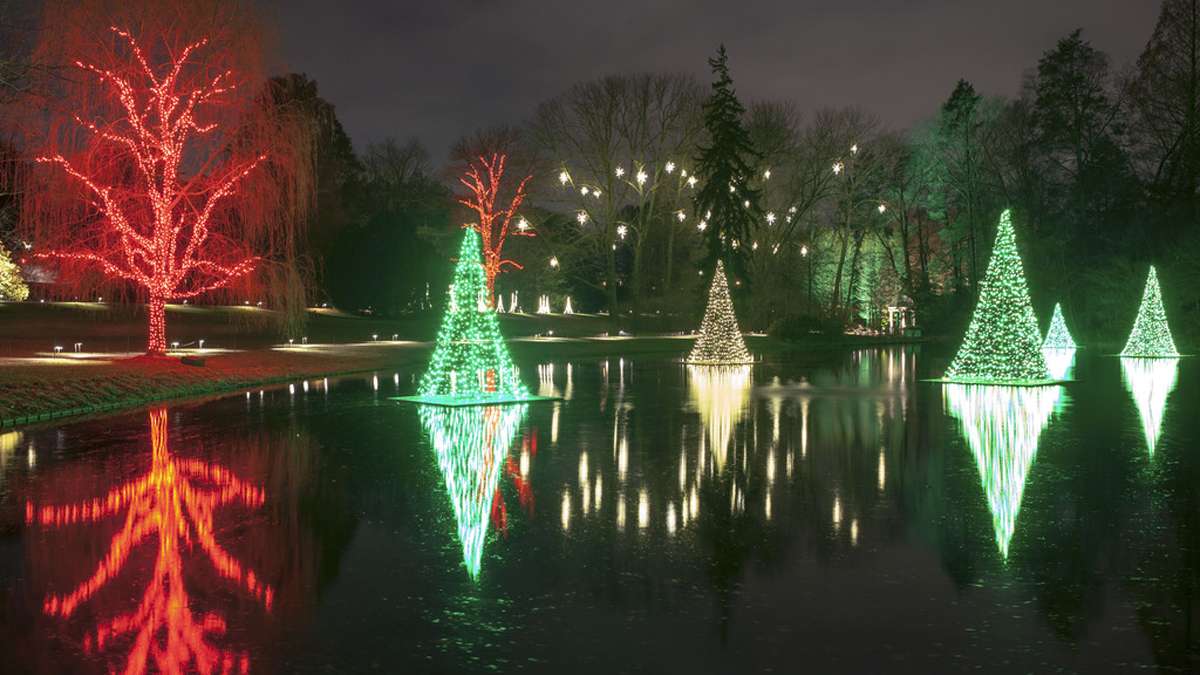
(471, 444)
(1150, 382)
(1002, 426)
(1151, 336)
(721, 395)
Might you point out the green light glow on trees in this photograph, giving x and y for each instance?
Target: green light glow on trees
(1002, 426)
(470, 363)
(1057, 336)
(720, 341)
(1150, 382)
(471, 444)
(1151, 336)
(1003, 342)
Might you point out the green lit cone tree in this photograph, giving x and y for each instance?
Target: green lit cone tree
(12, 286)
(1057, 336)
(470, 361)
(1003, 344)
(1151, 336)
(720, 341)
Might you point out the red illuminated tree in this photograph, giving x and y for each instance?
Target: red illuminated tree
(484, 178)
(157, 183)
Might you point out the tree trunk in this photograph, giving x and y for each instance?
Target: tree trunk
(614, 317)
(157, 343)
(670, 258)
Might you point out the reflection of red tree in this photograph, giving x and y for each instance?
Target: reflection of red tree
(512, 469)
(167, 503)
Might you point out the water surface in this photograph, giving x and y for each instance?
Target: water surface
(827, 513)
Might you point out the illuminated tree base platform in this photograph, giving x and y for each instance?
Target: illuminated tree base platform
(1048, 382)
(717, 364)
(467, 400)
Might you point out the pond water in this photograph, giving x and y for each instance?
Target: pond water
(826, 513)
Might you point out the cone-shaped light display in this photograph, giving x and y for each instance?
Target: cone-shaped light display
(1057, 336)
(1003, 342)
(1151, 336)
(1002, 426)
(720, 341)
(470, 363)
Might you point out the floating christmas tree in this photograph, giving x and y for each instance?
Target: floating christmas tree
(720, 342)
(1002, 426)
(1003, 343)
(471, 445)
(1150, 382)
(1057, 336)
(1151, 336)
(470, 363)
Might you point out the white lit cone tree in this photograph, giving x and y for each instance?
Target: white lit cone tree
(720, 342)
(1151, 336)
(1057, 336)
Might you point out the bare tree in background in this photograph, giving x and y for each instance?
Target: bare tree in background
(616, 151)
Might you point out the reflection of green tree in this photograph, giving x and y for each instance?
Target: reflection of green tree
(1150, 382)
(1002, 426)
(471, 444)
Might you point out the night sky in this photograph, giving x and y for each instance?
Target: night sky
(438, 69)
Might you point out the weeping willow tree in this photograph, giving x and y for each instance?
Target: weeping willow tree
(161, 167)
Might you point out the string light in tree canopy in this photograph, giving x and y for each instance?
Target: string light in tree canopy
(1003, 342)
(720, 341)
(1057, 336)
(1151, 336)
(158, 229)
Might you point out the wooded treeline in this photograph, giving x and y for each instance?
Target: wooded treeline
(1099, 162)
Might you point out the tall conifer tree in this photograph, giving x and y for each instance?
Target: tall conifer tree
(726, 202)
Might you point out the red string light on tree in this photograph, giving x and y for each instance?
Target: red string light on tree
(157, 227)
(483, 178)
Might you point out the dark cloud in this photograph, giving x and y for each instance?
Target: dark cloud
(439, 68)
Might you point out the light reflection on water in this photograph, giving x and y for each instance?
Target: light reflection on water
(1150, 382)
(662, 511)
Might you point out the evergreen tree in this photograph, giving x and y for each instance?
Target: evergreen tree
(726, 202)
(720, 341)
(12, 286)
(1151, 336)
(1057, 335)
(1003, 343)
(470, 362)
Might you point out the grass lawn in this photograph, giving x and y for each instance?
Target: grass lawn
(242, 350)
